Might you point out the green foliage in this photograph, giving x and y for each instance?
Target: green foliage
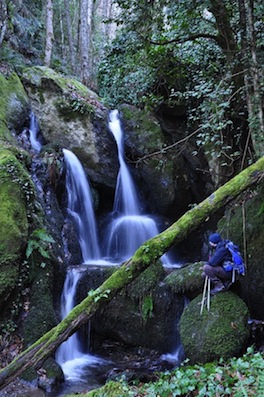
(124, 75)
(8, 327)
(147, 307)
(97, 296)
(241, 376)
(39, 241)
(173, 53)
(73, 105)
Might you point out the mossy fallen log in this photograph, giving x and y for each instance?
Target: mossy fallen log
(147, 254)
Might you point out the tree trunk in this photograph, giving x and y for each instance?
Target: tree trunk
(49, 32)
(256, 122)
(69, 34)
(148, 253)
(3, 21)
(84, 41)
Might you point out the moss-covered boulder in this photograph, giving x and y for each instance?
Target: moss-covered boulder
(14, 106)
(186, 280)
(110, 389)
(16, 191)
(41, 317)
(221, 332)
(143, 314)
(72, 116)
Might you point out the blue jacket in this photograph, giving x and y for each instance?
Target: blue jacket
(220, 255)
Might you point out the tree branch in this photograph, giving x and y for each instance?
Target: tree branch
(180, 40)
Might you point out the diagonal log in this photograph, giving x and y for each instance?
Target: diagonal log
(146, 254)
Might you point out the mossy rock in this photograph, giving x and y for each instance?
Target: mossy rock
(147, 134)
(247, 221)
(186, 280)
(74, 100)
(41, 317)
(144, 139)
(145, 282)
(110, 389)
(72, 117)
(221, 332)
(16, 191)
(142, 314)
(14, 106)
(47, 378)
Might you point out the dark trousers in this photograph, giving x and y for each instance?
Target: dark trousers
(217, 274)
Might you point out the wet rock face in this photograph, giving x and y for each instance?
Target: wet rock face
(123, 320)
(71, 115)
(145, 314)
(168, 179)
(244, 219)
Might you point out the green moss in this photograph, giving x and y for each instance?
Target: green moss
(52, 372)
(41, 317)
(145, 282)
(146, 129)
(221, 332)
(70, 108)
(13, 104)
(15, 193)
(110, 389)
(78, 97)
(245, 219)
(186, 279)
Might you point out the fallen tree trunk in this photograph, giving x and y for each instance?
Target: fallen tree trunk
(147, 254)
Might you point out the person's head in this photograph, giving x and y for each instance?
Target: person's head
(214, 239)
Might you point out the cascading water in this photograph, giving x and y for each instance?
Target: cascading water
(69, 355)
(130, 228)
(33, 132)
(69, 350)
(80, 207)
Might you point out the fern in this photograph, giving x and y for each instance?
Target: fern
(39, 241)
(260, 383)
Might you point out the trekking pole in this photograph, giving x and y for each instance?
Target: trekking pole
(204, 292)
(233, 275)
(208, 294)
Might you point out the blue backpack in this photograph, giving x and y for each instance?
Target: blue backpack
(237, 264)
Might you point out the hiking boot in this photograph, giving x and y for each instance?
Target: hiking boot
(227, 284)
(218, 288)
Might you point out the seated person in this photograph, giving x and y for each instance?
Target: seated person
(214, 268)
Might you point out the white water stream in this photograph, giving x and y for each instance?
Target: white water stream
(80, 207)
(70, 356)
(33, 132)
(129, 228)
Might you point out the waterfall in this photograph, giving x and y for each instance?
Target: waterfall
(69, 355)
(33, 132)
(126, 201)
(80, 207)
(129, 228)
(69, 351)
